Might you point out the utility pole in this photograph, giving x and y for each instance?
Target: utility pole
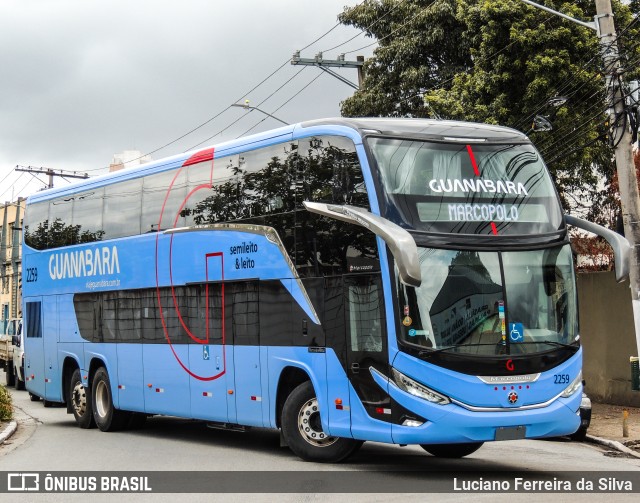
(324, 65)
(622, 141)
(51, 173)
(629, 196)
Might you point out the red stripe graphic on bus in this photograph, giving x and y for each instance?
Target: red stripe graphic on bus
(200, 157)
(476, 170)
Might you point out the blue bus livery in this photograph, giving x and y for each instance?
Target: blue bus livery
(397, 280)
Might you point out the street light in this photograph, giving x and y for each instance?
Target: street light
(246, 106)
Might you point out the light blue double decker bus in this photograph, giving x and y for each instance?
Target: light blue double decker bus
(396, 280)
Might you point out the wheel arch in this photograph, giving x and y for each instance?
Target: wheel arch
(290, 378)
(69, 365)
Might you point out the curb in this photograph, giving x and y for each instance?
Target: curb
(613, 444)
(10, 430)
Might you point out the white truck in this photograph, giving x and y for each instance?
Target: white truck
(11, 357)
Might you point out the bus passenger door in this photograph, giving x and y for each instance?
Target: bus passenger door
(366, 343)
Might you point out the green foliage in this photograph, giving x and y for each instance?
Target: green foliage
(499, 62)
(6, 410)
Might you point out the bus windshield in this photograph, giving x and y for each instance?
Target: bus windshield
(491, 303)
(466, 188)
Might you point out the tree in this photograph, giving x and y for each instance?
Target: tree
(501, 62)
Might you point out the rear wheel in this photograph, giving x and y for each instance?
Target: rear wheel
(8, 374)
(18, 383)
(80, 402)
(106, 416)
(303, 433)
(452, 450)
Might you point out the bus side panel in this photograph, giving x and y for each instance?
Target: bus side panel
(130, 382)
(209, 384)
(50, 336)
(248, 388)
(34, 346)
(166, 381)
(339, 405)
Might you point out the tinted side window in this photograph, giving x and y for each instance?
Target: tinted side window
(163, 193)
(87, 215)
(36, 227)
(121, 215)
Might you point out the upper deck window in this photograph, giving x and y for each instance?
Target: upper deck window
(466, 188)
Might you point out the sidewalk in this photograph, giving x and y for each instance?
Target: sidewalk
(607, 423)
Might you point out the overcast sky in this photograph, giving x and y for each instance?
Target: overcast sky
(82, 80)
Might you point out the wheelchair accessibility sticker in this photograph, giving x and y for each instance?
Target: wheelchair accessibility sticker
(516, 332)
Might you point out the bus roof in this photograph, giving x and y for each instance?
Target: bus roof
(422, 128)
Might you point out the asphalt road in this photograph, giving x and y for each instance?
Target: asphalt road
(47, 440)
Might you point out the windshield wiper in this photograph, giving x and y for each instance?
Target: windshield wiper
(555, 343)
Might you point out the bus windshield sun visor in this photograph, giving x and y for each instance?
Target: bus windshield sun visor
(400, 242)
(620, 245)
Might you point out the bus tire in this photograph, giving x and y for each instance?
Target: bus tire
(303, 433)
(18, 383)
(8, 374)
(80, 401)
(106, 416)
(452, 450)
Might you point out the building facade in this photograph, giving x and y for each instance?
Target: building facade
(11, 215)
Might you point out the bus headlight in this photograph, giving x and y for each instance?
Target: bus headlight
(416, 389)
(573, 387)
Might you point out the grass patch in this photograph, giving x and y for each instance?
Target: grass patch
(6, 410)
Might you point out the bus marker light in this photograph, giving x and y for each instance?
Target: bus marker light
(159, 390)
(121, 386)
(230, 392)
(149, 385)
(47, 380)
(338, 401)
(256, 398)
(380, 410)
(207, 393)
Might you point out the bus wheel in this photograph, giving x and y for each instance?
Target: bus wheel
(18, 383)
(80, 402)
(452, 450)
(107, 417)
(8, 374)
(303, 433)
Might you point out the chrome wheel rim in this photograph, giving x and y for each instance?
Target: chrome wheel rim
(102, 399)
(310, 427)
(79, 399)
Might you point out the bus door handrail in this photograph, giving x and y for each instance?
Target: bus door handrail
(400, 242)
(620, 245)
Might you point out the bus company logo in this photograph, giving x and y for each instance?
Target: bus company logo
(478, 185)
(510, 366)
(84, 263)
(512, 397)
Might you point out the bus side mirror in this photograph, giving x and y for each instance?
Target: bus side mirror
(620, 245)
(400, 242)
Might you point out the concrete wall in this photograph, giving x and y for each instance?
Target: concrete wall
(608, 338)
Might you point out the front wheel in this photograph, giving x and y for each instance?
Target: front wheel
(452, 450)
(80, 402)
(106, 416)
(303, 433)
